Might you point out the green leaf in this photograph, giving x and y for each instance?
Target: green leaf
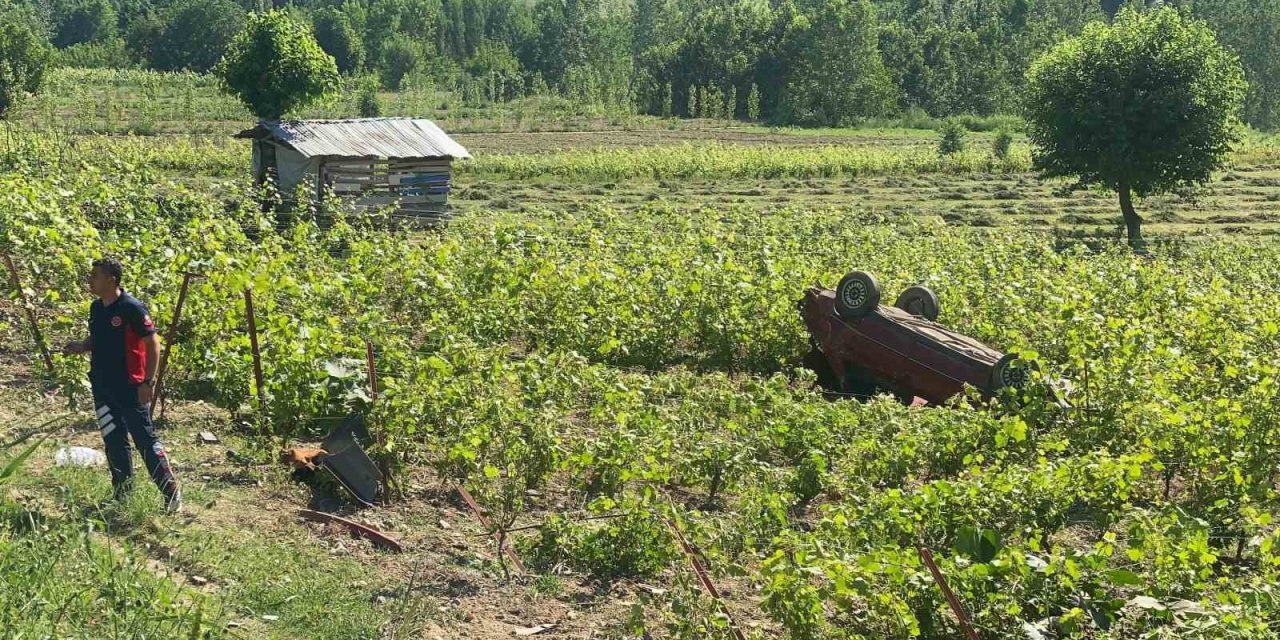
(1124, 577)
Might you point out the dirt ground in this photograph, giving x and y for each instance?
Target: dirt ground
(447, 584)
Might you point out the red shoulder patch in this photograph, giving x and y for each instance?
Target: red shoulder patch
(146, 320)
(116, 321)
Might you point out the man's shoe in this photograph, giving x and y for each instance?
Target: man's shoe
(175, 504)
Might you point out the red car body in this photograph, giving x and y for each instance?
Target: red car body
(895, 351)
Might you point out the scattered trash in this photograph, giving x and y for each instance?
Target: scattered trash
(79, 457)
(364, 531)
(199, 581)
(530, 631)
(207, 437)
(270, 618)
(651, 590)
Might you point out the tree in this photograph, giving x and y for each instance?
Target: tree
(80, 21)
(839, 77)
(24, 54)
(339, 39)
(276, 66)
(400, 56)
(194, 34)
(1142, 106)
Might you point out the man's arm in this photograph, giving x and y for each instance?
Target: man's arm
(152, 343)
(78, 346)
(146, 390)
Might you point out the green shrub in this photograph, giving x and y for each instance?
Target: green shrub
(1002, 143)
(953, 139)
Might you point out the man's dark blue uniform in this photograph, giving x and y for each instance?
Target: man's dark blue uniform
(119, 361)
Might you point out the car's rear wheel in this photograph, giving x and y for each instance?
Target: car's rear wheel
(857, 295)
(1009, 372)
(919, 301)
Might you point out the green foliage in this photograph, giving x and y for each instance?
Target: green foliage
(275, 66)
(838, 78)
(24, 54)
(191, 34)
(61, 580)
(1144, 105)
(1001, 144)
(83, 21)
(399, 57)
(649, 356)
(370, 104)
(952, 138)
(14, 465)
(336, 35)
(633, 546)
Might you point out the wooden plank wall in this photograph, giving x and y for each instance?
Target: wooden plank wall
(415, 184)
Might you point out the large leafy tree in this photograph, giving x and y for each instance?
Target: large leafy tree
(24, 55)
(193, 34)
(275, 66)
(1141, 106)
(839, 77)
(339, 38)
(81, 21)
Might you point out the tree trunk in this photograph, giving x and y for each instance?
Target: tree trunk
(1132, 223)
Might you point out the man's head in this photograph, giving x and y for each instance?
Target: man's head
(105, 276)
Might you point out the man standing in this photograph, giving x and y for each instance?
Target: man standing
(125, 354)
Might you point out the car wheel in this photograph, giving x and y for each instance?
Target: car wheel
(1009, 371)
(919, 301)
(857, 295)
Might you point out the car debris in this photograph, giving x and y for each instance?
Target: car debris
(356, 529)
(348, 462)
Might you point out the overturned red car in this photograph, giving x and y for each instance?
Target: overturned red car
(861, 347)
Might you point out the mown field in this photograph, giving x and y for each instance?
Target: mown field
(602, 347)
(558, 157)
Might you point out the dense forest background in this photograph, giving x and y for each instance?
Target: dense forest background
(803, 62)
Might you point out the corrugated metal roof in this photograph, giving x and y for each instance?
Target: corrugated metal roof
(362, 138)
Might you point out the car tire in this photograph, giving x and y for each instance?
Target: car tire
(919, 301)
(1009, 371)
(857, 295)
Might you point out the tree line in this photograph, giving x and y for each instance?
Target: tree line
(805, 62)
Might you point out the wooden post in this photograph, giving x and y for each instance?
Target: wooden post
(257, 355)
(497, 535)
(373, 375)
(704, 577)
(31, 315)
(952, 600)
(168, 339)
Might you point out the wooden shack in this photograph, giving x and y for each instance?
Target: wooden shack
(375, 162)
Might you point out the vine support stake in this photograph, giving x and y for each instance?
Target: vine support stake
(497, 535)
(373, 375)
(384, 465)
(169, 337)
(952, 600)
(257, 355)
(31, 315)
(703, 577)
